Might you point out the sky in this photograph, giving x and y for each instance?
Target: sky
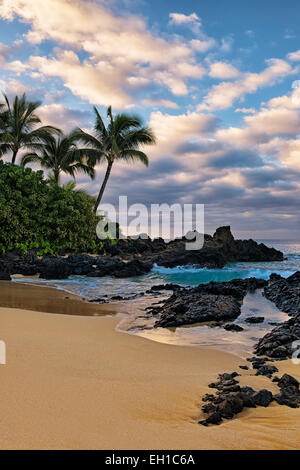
(218, 82)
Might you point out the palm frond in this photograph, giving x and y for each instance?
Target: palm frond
(99, 125)
(87, 139)
(30, 158)
(136, 138)
(133, 155)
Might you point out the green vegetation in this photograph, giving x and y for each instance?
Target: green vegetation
(37, 214)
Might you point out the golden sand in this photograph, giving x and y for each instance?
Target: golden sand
(74, 382)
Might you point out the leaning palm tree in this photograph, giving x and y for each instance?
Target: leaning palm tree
(4, 148)
(19, 127)
(121, 139)
(60, 155)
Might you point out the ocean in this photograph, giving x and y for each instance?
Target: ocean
(133, 319)
(183, 275)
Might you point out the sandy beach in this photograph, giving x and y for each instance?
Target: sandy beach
(74, 382)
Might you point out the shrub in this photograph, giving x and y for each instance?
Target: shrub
(37, 214)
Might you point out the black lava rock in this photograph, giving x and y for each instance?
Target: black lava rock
(262, 398)
(278, 343)
(255, 320)
(233, 327)
(266, 370)
(215, 301)
(231, 399)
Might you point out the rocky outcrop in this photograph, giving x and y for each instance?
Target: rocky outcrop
(134, 257)
(215, 301)
(289, 391)
(230, 398)
(233, 327)
(4, 274)
(223, 235)
(254, 320)
(278, 343)
(285, 293)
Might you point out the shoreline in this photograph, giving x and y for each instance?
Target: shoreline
(27, 296)
(124, 311)
(75, 382)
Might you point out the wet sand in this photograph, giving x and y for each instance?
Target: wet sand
(48, 300)
(74, 382)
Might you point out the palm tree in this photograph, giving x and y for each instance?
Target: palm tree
(60, 154)
(120, 140)
(4, 148)
(18, 127)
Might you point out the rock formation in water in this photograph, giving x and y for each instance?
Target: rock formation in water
(134, 257)
(215, 301)
(281, 341)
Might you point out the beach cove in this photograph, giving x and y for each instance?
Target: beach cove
(74, 382)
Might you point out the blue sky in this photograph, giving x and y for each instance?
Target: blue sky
(214, 80)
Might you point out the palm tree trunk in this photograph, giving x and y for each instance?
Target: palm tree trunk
(56, 176)
(108, 170)
(15, 152)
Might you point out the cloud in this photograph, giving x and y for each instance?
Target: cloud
(65, 118)
(14, 87)
(120, 56)
(173, 130)
(223, 96)
(203, 45)
(97, 84)
(245, 110)
(180, 18)
(5, 52)
(223, 70)
(193, 163)
(247, 176)
(294, 56)
(261, 127)
(226, 44)
(159, 102)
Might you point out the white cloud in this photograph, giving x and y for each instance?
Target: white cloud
(14, 66)
(245, 110)
(173, 130)
(122, 52)
(294, 56)
(223, 70)
(223, 96)
(202, 45)
(14, 87)
(180, 18)
(153, 102)
(272, 131)
(65, 118)
(96, 84)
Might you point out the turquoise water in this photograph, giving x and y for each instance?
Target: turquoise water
(184, 275)
(192, 276)
(135, 320)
